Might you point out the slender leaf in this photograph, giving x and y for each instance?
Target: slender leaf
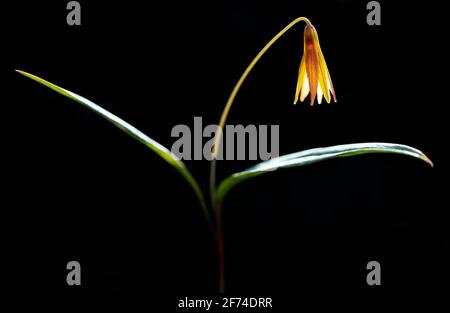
(312, 156)
(159, 149)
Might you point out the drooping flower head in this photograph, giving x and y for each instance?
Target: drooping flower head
(313, 75)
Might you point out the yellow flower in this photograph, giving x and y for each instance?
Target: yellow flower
(313, 75)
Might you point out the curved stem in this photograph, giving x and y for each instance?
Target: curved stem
(223, 117)
(217, 142)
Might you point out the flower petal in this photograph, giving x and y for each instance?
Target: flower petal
(305, 88)
(312, 61)
(301, 78)
(323, 70)
(324, 77)
(319, 94)
(330, 83)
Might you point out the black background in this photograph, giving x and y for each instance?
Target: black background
(76, 188)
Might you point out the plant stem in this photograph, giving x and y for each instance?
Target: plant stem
(216, 148)
(244, 75)
(220, 249)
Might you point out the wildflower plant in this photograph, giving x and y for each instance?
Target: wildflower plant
(313, 79)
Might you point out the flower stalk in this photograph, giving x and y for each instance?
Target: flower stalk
(313, 75)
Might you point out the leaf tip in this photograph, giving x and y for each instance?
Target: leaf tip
(426, 159)
(23, 73)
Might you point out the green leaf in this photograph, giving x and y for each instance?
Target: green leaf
(312, 156)
(159, 149)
